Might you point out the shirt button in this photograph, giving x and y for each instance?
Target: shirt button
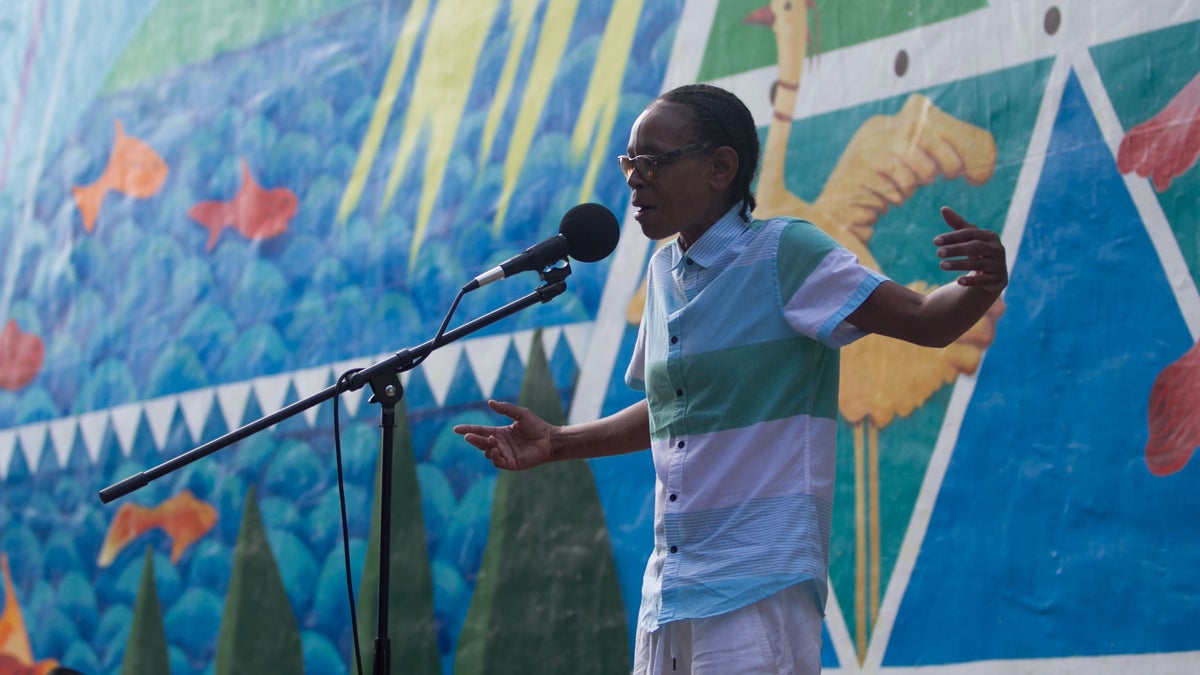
(674, 339)
(674, 497)
(689, 261)
(679, 444)
(679, 392)
(674, 549)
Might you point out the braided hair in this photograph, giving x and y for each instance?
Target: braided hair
(722, 118)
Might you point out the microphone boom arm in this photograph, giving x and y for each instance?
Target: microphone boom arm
(399, 362)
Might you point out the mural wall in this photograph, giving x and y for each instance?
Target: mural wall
(212, 211)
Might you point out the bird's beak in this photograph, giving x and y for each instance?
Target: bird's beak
(763, 16)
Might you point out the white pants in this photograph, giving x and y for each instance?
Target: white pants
(779, 635)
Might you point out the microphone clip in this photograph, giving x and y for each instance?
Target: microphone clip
(559, 271)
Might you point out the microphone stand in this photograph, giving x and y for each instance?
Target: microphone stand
(384, 380)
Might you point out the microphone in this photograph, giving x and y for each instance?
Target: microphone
(587, 233)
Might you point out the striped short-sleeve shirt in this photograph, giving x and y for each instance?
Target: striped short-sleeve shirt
(737, 354)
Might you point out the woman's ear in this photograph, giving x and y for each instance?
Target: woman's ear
(724, 168)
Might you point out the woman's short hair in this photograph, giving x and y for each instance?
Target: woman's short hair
(722, 118)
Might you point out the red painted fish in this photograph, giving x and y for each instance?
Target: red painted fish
(183, 517)
(134, 169)
(1174, 417)
(255, 212)
(21, 356)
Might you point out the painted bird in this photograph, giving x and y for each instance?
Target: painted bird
(134, 169)
(256, 212)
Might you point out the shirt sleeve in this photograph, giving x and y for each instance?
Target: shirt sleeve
(821, 283)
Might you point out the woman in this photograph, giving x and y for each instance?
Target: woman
(737, 354)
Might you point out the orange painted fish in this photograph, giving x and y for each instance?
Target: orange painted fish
(21, 356)
(184, 518)
(133, 169)
(12, 666)
(16, 655)
(255, 212)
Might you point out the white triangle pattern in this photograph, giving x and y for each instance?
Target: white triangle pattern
(160, 413)
(62, 438)
(8, 442)
(550, 341)
(309, 382)
(33, 441)
(577, 337)
(271, 392)
(92, 427)
(125, 423)
(348, 400)
(439, 368)
(232, 398)
(484, 355)
(523, 340)
(196, 405)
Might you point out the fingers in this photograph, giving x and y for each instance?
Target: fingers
(954, 220)
(481, 441)
(975, 244)
(973, 250)
(491, 447)
(966, 239)
(474, 430)
(509, 410)
(520, 445)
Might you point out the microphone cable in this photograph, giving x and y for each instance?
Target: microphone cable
(337, 448)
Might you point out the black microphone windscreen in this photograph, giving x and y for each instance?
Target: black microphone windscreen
(591, 231)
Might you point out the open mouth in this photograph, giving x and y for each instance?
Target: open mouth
(642, 208)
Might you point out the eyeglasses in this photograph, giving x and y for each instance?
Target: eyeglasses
(647, 165)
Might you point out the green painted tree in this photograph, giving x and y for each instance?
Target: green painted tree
(259, 633)
(146, 650)
(547, 599)
(412, 632)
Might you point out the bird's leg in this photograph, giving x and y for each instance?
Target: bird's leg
(873, 517)
(860, 542)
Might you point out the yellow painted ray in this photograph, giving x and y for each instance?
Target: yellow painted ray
(552, 42)
(455, 39)
(383, 109)
(594, 128)
(520, 19)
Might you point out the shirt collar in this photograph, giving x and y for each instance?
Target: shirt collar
(715, 239)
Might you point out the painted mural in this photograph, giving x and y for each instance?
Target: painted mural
(211, 211)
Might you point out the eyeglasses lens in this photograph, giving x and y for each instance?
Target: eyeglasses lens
(644, 164)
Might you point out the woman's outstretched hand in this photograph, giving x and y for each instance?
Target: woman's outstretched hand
(526, 443)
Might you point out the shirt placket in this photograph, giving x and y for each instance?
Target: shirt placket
(676, 474)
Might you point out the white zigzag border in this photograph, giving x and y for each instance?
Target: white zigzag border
(484, 355)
